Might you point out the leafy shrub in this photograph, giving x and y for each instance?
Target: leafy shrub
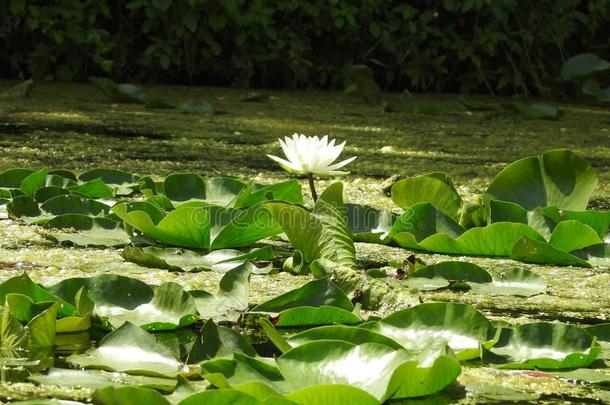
(443, 45)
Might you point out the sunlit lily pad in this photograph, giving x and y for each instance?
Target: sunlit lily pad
(519, 282)
(545, 345)
(132, 350)
(95, 379)
(434, 188)
(557, 178)
(88, 231)
(461, 326)
(173, 259)
(315, 293)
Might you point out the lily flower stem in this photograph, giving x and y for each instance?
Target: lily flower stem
(312, 187)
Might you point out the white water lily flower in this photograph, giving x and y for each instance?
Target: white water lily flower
(310, 154)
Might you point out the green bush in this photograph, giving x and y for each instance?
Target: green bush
(496, 46)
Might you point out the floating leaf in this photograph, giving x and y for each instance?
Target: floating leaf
(88, 231)
(597, 255)
(519, 282)
(537, 110)
(441, 275)
(334, 362)
(572, 235)
(493, 240)
(218, 341)
(434, 188)
(594, 89)
(557, 178)
(202, 227)
(119, 93)
(355, 335)
(253, 97)
(181, 187)
(233, 294)
(23, 284)
(173, 259)
(95, 379)
(368, 224)
(33, 182)
(132, 350)
(195, 107)
(545, 345)
(331, 394)
(582, 65)
(535, 251)
(461, 326)
(433, 370)
(93, 189)
(316, 293)
(313, 316)
(119, 299)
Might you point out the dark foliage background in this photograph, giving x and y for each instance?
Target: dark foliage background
(492, 46)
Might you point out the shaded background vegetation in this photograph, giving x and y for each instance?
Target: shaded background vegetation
(491, 46)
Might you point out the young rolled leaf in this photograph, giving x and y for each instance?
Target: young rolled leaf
(322, 233)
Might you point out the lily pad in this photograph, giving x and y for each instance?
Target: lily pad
(331, 394)
(461, 326)
(131, 350)
(545, 346)
(355, 335)
(518, 282)
(316, 293)
(537, 110)
(558, 178)
(218, 342)
(95, 379)
(583, 65)
(232, 296)
(441, 275)
(368, 224)
(88, 231)
(334, 362)
(173, 259)
(12, 178)
(119, 299)
(202, 227)
(592, 88)
(535, 251)
(313, 316)
(434, 188)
